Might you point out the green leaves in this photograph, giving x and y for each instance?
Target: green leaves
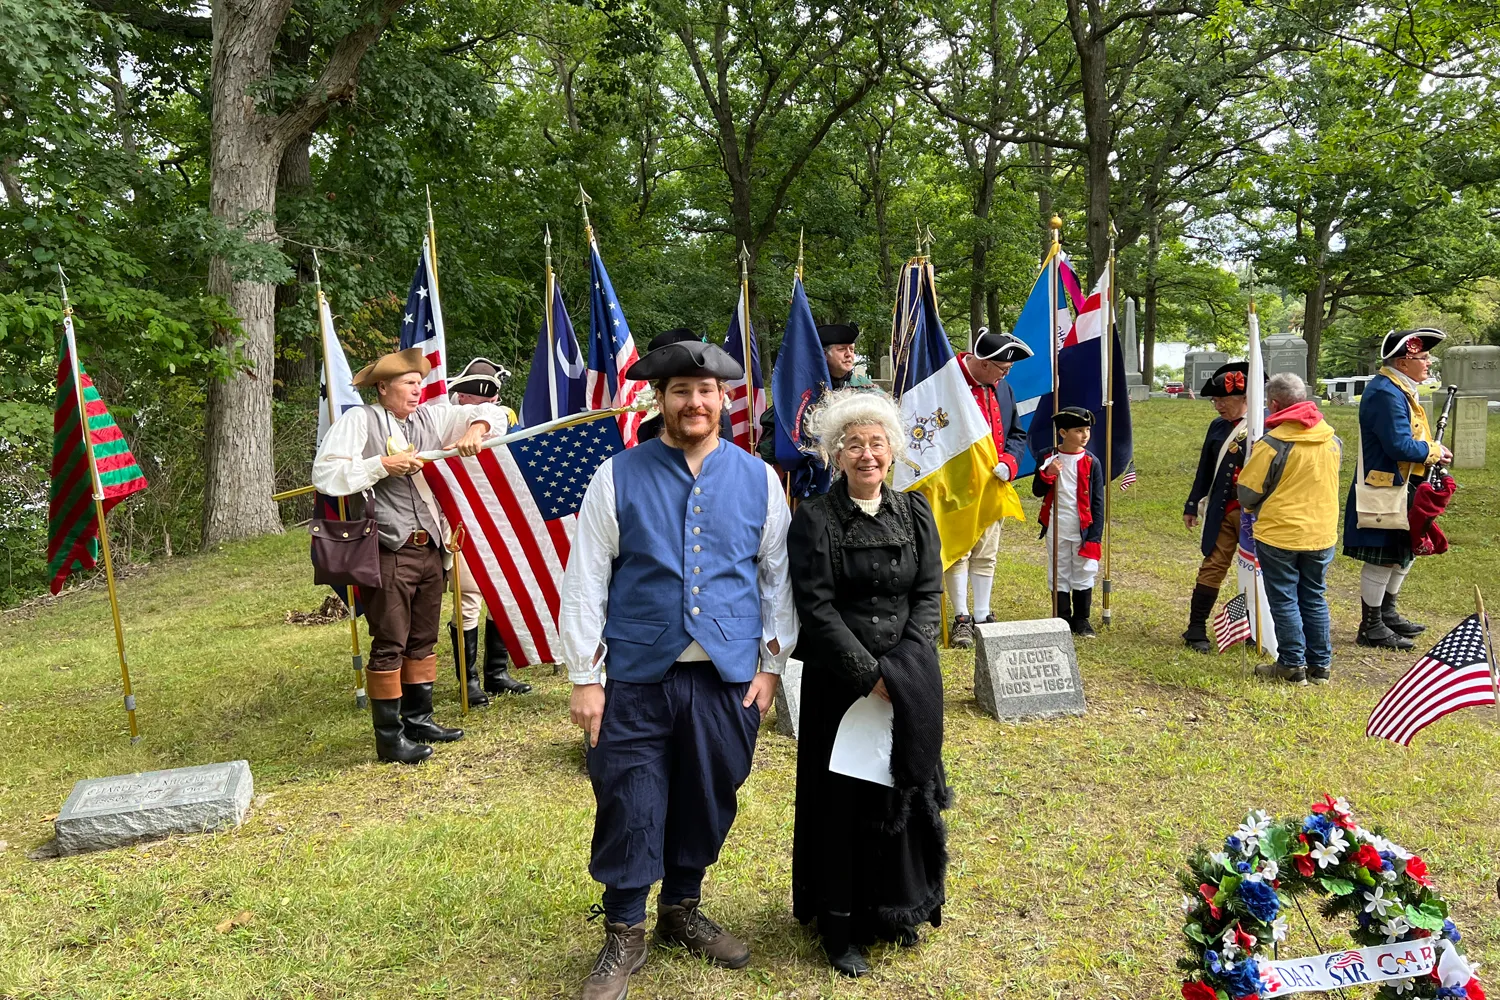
(1429, 916)
(1337, 886)
(1275, 843)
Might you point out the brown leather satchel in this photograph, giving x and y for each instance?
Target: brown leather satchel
(345, 553)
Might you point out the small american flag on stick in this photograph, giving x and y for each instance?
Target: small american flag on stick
(1128, 479)
(1454, 675)
(1232, 623)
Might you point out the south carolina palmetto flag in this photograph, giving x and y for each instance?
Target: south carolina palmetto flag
(72, 523)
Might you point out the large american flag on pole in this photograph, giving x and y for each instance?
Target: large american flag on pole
(518, 502)
(747, 396)
(422, 324)
(1454, 675)
(611, 350)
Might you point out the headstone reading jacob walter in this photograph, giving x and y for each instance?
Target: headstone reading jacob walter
(789, 699)
(1024, 669)
(112, 812)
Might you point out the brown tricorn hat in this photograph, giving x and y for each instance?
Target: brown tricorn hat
(391, 366)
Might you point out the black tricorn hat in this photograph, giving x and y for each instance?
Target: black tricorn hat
(480, 377)
(691, 358)
(1401, 343)
(677, 335)
(835, 334)
(1070, 417)
(1227, 380)
(1000, 347)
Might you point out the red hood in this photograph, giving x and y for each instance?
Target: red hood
(1305, 413)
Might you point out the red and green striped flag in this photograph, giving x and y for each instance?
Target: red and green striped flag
(72, 530)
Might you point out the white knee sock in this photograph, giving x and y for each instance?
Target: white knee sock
(1398, 577)
(1373, 580)
(957, 581)
(982, 587)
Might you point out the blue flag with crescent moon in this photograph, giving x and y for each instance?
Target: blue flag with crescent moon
(556, 386)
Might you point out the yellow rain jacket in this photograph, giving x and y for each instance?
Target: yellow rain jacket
(1298, 508)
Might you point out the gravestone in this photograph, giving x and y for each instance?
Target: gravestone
(112, 812)
(1136, 386)
(1199, 366)
(1285, 353)
(1474, 368)
(1026, 669)
(789, 699)
(1470, 425)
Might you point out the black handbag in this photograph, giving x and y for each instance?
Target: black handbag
(345, 553)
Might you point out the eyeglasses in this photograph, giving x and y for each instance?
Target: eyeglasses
(873, 448)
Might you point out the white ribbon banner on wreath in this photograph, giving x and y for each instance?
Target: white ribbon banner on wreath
(1338, 969)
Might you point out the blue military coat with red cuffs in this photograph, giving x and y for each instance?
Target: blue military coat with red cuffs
(1217, 483)
(1090, 500)
(998, 404)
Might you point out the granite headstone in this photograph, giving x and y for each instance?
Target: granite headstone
(1135, 385)
(111, 812)
(1470, 425)
(1026, 669)
(1474, 368)
(789, 699)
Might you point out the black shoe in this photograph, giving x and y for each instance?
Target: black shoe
(391, 744)
(1397, 624)
(838, 944)
(468, 673)
(1320, 675)
(497, 678)
(1196, 636)
(1083, 602)
(1373, 630)
(1065, 607)
(961, 634)
(416, 716)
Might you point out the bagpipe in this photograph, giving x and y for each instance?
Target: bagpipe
(1432, 496)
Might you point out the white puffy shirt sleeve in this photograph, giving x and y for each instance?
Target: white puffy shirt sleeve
(778, 615)
(453, 420)
(340, 468)
(585, 584)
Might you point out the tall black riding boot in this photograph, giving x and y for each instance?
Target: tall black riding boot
(468, 672)
(1065, 607)
(1373, 630)
(1196, 636)
(1396, 623)
(836, 929)
(416, 715)
(1083, 602)
(497, 678)
(391, 744)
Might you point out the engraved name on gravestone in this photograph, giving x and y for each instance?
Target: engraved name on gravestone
(789, 699)
(111, 812)
(1471, 416)
(1025, 669)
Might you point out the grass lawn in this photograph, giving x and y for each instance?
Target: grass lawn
(467, 876)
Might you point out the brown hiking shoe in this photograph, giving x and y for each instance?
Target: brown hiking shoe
(623, 954)
(961, 633)
(686, 925)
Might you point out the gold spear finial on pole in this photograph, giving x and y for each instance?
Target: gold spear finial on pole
(800, 234)
(584, 201)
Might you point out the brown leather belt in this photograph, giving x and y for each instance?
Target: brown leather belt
(419, 538)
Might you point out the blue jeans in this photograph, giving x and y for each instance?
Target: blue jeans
(1295, 583)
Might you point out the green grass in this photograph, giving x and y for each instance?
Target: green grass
(467, 876)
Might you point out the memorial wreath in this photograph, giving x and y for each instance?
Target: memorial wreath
(1237, 900)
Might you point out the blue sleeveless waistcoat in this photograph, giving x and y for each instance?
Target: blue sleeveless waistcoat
(687, 563)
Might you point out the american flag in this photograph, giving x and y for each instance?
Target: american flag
(518, 504)
(611, 351)
(1456, 674)
(1128, 480)
(744, 417)
(422, 324)
(1232, 623)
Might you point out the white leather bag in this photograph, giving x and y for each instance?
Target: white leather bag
(1378, 506)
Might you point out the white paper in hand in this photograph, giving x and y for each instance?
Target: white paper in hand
(862, 748)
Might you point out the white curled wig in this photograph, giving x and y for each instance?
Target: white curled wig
(846, 408)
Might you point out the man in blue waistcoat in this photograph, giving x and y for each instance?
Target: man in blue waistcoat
(1396, 446)
(677, 589)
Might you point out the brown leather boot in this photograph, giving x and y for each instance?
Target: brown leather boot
(688, 926)
(623, 954)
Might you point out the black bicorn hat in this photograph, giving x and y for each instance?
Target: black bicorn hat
(1070, 417)
(480, 377)
(1227, 380)
(1000, 347)
(837, 334)
(690, 358)
(1405, 343)
(677, 335)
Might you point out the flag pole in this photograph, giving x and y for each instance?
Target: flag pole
(356, 657)
(551, 332)
(432, 247)
(88, 447)
(456, 546)
(1254, 324)
(800, 234)
(584, 201)
(1489, 646)
(1055, 224)
(745, 351)
(1107, 342)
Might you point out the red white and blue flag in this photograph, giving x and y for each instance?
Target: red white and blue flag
(611, 351)
(422, 324)
(747, 396)
(1454, 675)
(518, 504)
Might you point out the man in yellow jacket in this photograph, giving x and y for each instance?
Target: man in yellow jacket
(1291, 483)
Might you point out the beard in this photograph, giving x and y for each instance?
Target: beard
(674, 429)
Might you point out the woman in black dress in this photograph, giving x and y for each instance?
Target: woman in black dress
(868, 861)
